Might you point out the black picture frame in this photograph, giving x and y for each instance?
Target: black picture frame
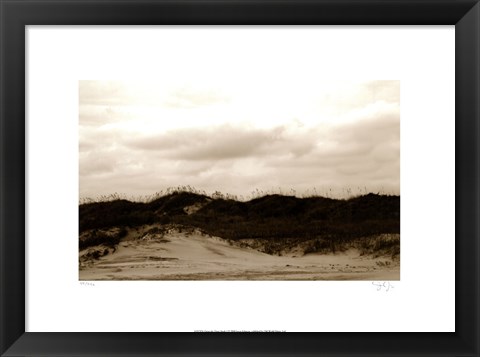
(16, 14)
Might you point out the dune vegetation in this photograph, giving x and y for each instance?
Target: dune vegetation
(271, 223)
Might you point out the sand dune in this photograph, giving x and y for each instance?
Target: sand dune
(183, 256)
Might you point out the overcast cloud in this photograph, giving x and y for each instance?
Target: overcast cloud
(140, 138)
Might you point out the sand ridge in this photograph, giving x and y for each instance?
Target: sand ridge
(178, 255)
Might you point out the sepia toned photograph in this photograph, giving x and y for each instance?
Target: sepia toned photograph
(222, 180)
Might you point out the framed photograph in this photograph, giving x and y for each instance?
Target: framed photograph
(301, 171)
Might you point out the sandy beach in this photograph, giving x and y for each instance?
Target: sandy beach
(196, 256)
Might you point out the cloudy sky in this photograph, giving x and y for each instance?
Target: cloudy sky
(332, 137)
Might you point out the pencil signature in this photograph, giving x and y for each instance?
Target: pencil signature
(386, 286)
